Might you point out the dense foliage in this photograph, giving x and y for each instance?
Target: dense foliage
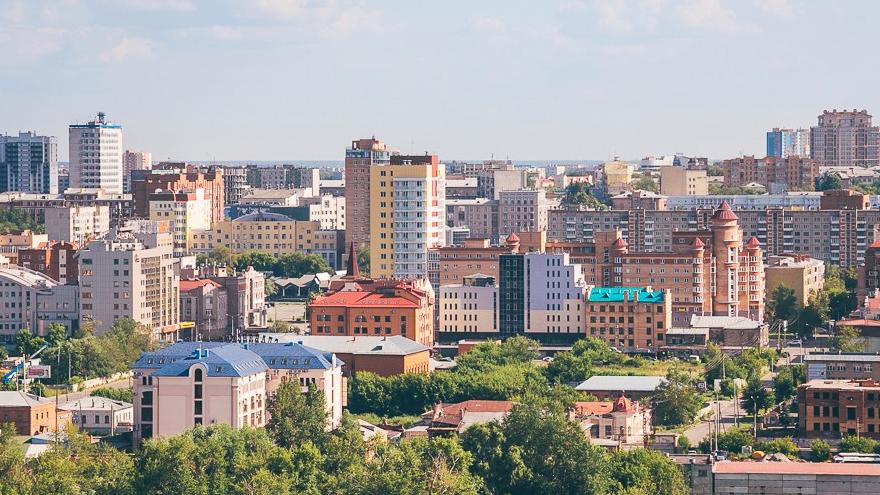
(12, 220)
(121, 394)
(580, 193)
(87, 355)
(676, 402)
(287, 265)
(537, 450)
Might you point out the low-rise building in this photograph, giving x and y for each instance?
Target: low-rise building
(831, 408)
(12, 242)
(611, 387)
(100, 415)
(733, 331)
(639, 200)
(77, 224)
(193, 383)
(625, 422)
(480, 215)
(782, 478)
(447, 419)
(30, 414)
(680, 181)
(802, 274)
(842, 366)
(384, 356)
(31, 300)
(56, 260)
(203, 303)
(468, 308)
(246, 308)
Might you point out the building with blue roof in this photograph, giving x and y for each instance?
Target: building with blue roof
(631, 319)
(192, 383)
(620, 294)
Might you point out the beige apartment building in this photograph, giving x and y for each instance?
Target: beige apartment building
(471, 306)
(187, 213)
(131, 274)
(804, 275)
(522, 211)
(77, 224)
(271, 233)
(679, 181)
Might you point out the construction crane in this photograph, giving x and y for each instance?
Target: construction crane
(14, 371)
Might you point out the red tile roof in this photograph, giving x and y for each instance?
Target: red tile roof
(478, 406)
(591, 408)
(814, 468)
(724, 212)
(359, 298)
(188, 285)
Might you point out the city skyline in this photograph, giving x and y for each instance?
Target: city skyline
(281, 80)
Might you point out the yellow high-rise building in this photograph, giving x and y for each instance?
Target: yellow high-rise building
(407, 215)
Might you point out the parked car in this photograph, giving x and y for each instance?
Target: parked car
(795, 343)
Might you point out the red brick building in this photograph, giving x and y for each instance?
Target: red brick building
(794, 172)
(210, 180)
(831, 408)
(57, 260)
(30, 414)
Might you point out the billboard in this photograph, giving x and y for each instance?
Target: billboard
(39, 371)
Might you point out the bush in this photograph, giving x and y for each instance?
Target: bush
(120, 394)
(852, 443)
(821, 450)
(779, 445)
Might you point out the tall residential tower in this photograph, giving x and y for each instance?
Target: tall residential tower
(363, 154)
(29, 163)
(845, 139)
(96, 155)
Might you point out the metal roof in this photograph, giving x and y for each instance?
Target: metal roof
(851, 358)
(397, 345)
(17, 398)
(621, 383)
(617, 294)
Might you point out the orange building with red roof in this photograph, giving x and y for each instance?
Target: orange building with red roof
(360, 307)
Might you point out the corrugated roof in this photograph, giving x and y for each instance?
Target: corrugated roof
(616, 294)
(732, 322)
(850, 358)
(621, 383)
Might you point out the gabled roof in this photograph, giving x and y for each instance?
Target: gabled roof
(292, 355)
(225, 361)
(17, 398)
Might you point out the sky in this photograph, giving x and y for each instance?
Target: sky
(529, 80)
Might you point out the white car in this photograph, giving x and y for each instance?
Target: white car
(795, 343)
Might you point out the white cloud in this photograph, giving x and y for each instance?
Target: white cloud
(14, 12)
(284, 8)
(488, 25)
(128, 48)
(629, 16)
(329, 17)
(225, 32)
(30, 44)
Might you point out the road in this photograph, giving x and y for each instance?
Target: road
(65, 398)
(701, 430)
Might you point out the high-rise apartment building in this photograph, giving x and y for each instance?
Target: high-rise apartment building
(844, 138)
(96, 155)
(407, 215)
(29, 163)
(235, 184)
(134, 160)
(187, 213)
(33, 301)
(131, 273)
(783, 143)
(363, 155)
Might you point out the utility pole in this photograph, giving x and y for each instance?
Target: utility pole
(735, 405)
(755, 403)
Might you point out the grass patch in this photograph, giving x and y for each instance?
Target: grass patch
(403, 421)
(647, 367)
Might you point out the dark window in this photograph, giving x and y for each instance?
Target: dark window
(198, 407)
(147, 398)
(198, 391)
(147, 414)
(850, 413)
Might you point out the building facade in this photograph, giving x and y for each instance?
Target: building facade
(77, 224)
(100, 416)
(680, 181)
(359, 159)
(190, 179)
(628, 318)
(831, 408)
(778, 175)
(29, 163)
(407, 215)
(479, 215)
(783, 143)
(30, 414)
(468, 307)
(128, 275)
(186, 213)
(522, 211)
(96, 155)
(134, 160)
(31, 300)
(804, 275)
(203, 303)
(845, 138)
(56, 260)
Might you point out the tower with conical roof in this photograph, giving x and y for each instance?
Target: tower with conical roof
(726, 244)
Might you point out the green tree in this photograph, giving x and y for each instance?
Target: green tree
(281, 326)
(779, 446)
(517, 349)
(363, 259)
(677, 401)
(580, 193)
(295, 417)
(821, 450)
(298, 264)
(849, 339)
(786, 381)
(648, 471)
(735, 439)
(783, 304)
(56, 334)
(577, 364)
(645, 184)
(270, 289)
(13, 220)
(828, 182)
(220, 255)
(756, 398)
(537, 450)
(121, 394)
(27, 343)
